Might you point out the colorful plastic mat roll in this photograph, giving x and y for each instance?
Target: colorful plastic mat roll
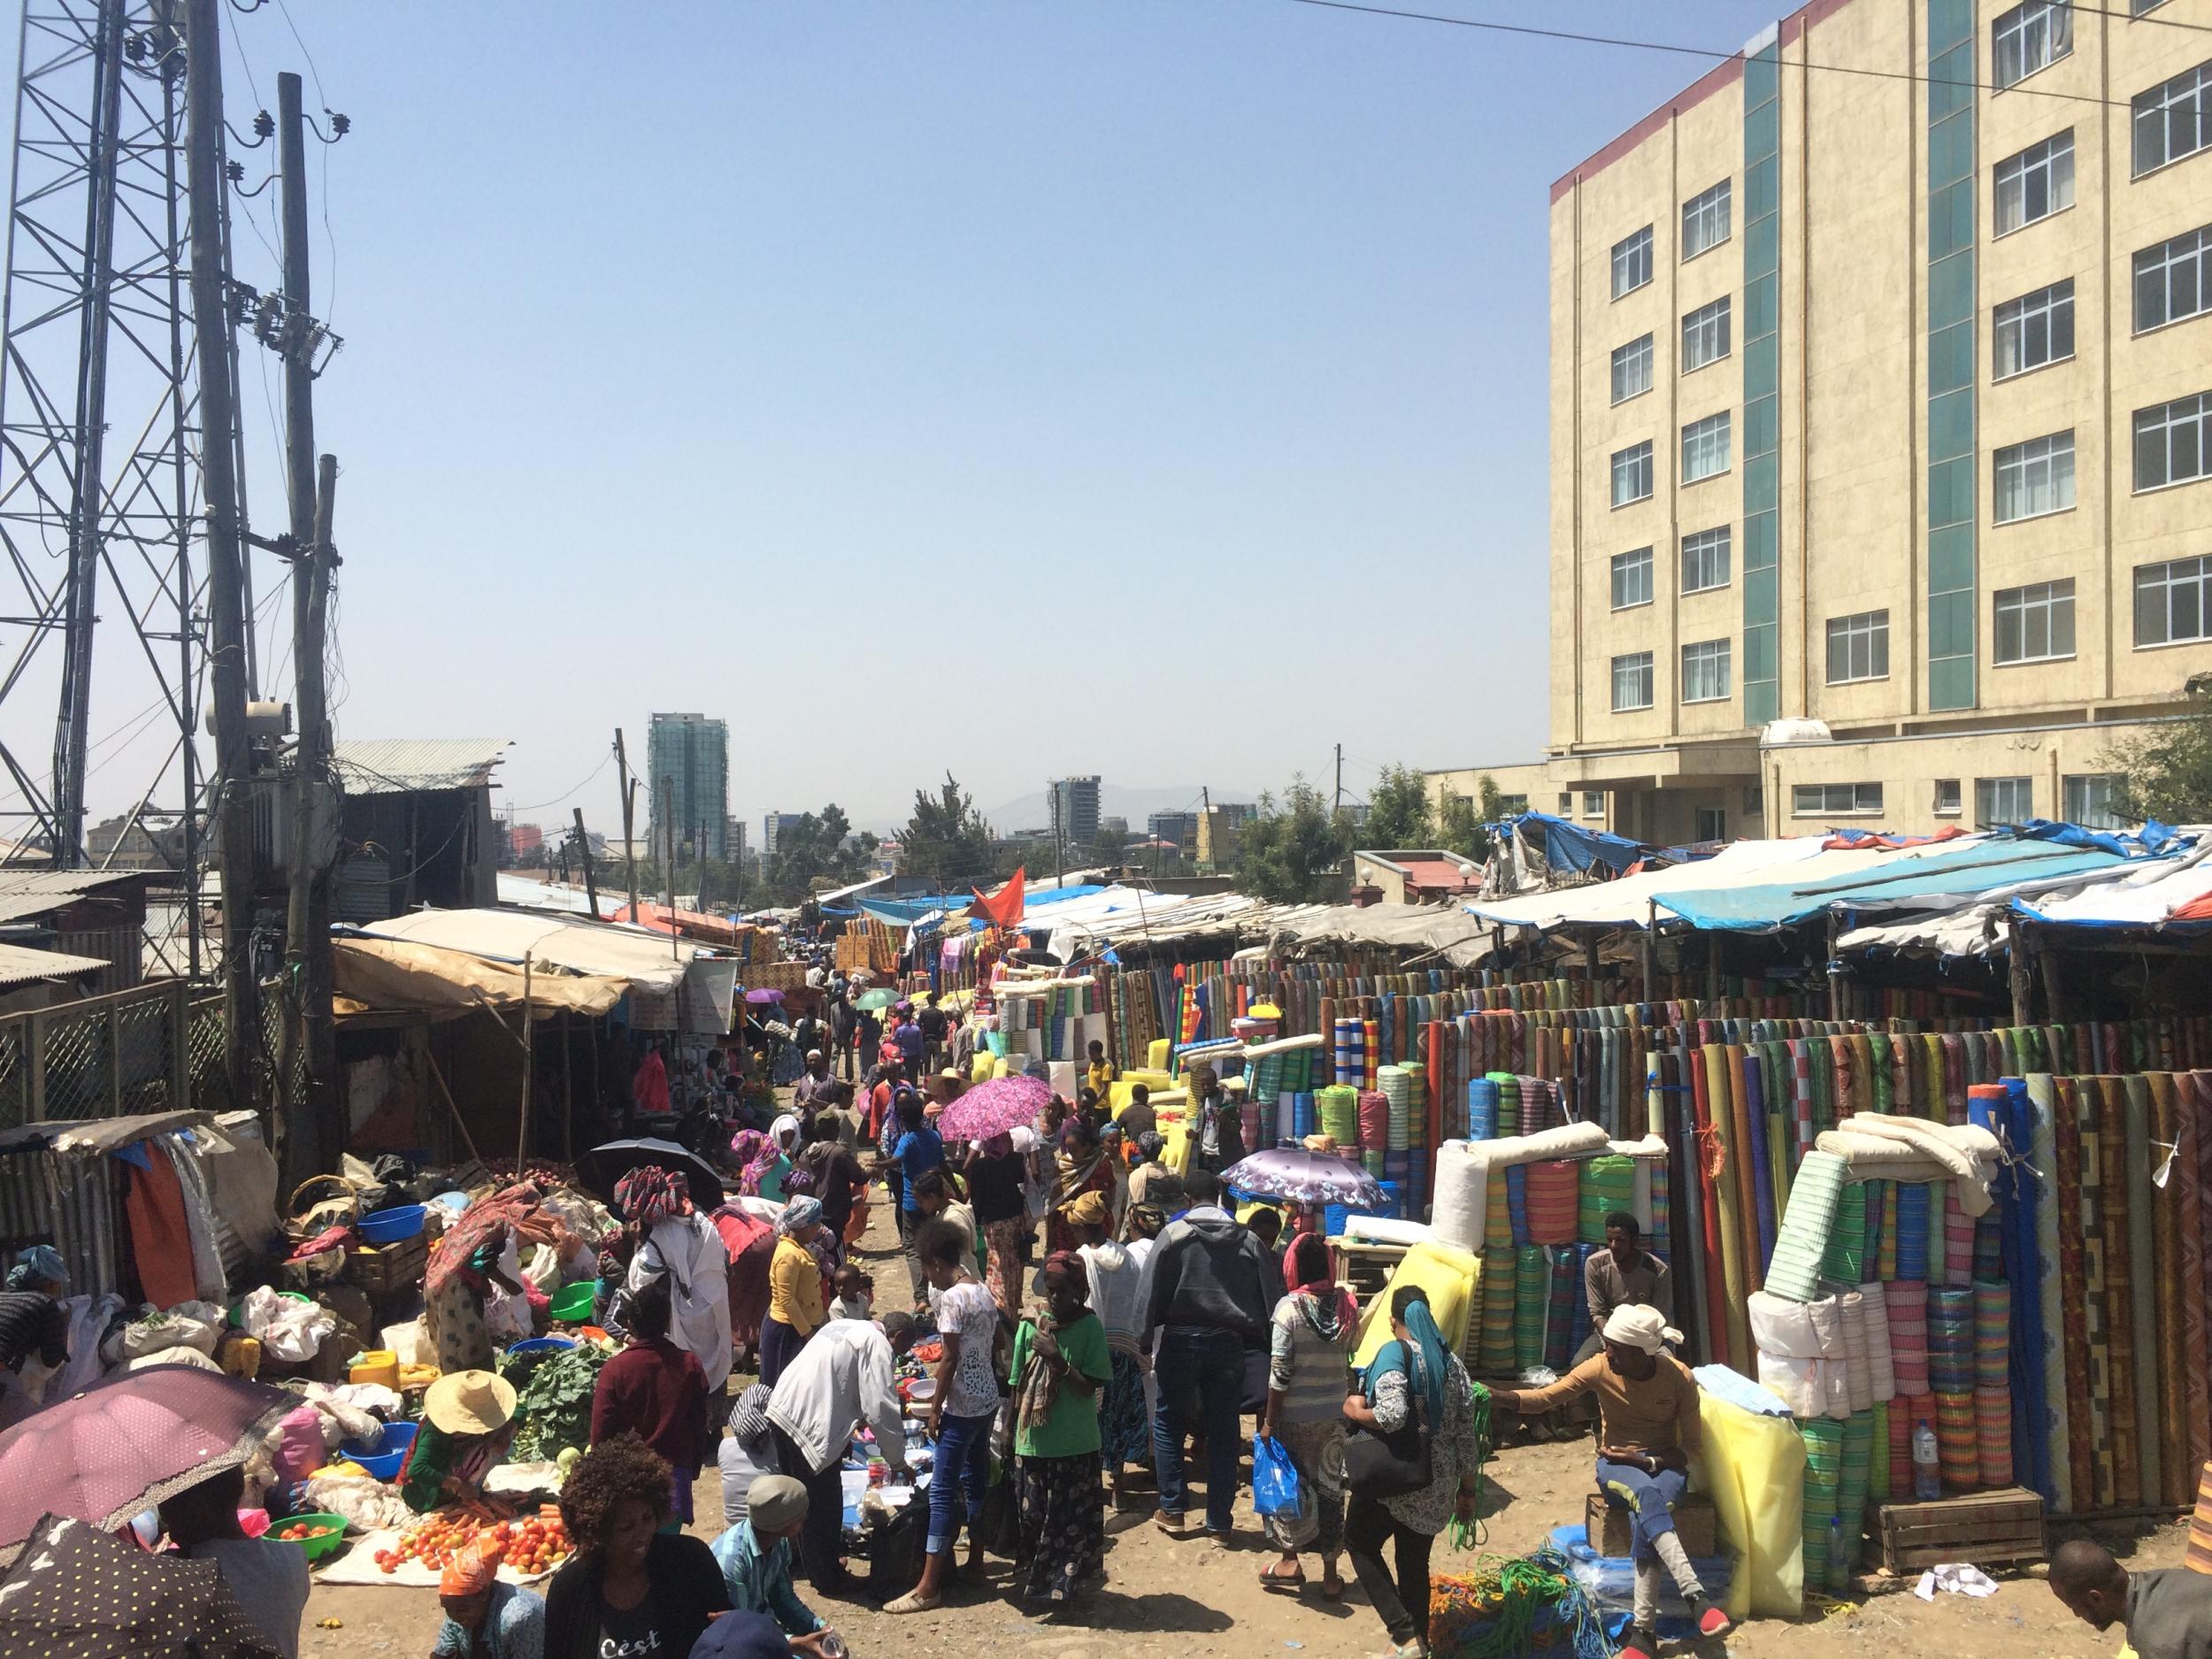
(1992, 1435)
(1958, 1446)
(1607, 1185)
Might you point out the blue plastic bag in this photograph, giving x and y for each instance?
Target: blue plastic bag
(1275, 1487)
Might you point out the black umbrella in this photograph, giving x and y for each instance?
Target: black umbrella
(603, 1165)
(78, 1590)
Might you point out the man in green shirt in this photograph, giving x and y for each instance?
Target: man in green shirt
(1060, 1363)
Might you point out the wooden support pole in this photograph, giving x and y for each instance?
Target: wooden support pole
(446, 1095)
(529, 1057)
(2016, 970)
(1651, 950)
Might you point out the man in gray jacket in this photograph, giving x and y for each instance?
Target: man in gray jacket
(1209, 1299)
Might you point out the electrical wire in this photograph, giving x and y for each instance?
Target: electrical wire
(330, 308)
(1710, 54)
(539, 806)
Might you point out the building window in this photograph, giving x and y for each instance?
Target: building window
(2173, 602)
(2035, 477)
(2003, 801)
(1712, 823)
(2032, 36)
(1705, 448)
(1705, 335)
(1947, 797)
(2035, 329)
(1632, 474)
(2036, 183)
(1632, 262)
(2139, 7)
(1632, 579)
(1512, 806)
(2089, 801)
(1705, 220)
(1705, 559)
(1858, 646)
(2171, 279)
(1632, 681)
(1834, 800)
(1631, 369)
(1754, 802)
(1594, 804)
(2170, 441)
(1566, 803)
(1705, 671)
(2173, 119)
(2035, 624)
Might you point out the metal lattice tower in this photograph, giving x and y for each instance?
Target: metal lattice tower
(100, 481)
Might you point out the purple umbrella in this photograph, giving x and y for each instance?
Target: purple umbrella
(762, 998)
(1301, 1177)
(994, 1108)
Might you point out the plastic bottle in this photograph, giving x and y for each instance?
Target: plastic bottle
(1927, 1477)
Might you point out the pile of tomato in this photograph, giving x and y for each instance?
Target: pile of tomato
(529, 1545)
(300, 1535)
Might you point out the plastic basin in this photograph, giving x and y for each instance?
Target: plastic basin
(539, 1344)
(575, 1303)
(316, 1548)
(383, 1463)
(390, 1226)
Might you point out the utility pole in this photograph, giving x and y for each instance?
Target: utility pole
(314, 1135)
(1059, 851)
(1340, 778)
(583, 851)
(226, 555)
(1206, 823)
(629, 806)
(668, 835)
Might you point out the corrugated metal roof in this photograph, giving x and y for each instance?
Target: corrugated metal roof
(19, 964)
(35, 892)
(396, 765)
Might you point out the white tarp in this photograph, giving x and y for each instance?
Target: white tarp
(1627, 902)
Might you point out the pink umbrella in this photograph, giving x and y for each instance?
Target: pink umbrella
(994, 1108)
(127, 1442)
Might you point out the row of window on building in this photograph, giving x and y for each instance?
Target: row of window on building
(2087, 800)
(2033, 623)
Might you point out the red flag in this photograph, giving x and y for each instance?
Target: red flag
(1003, 908)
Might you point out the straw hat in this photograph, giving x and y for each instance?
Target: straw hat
(469, 1402)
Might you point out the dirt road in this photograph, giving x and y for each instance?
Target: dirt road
(1182, 1600)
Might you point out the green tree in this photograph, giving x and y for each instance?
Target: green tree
(1459, 827)
(1489, 801)
(1398, 811)
(1288, 854)
(945, 840)
(2166, 771)
(815, 850)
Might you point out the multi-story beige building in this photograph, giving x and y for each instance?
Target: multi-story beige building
(1881, 424)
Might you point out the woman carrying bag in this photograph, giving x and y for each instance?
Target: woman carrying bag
(1412, 1461)
(1310, 1357)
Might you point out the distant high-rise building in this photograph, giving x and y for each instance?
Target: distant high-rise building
(734, 833)
(771, 826)
(1180, 829)
(1075, 808)
(527, 840)
(1113, 829)
(687, 776)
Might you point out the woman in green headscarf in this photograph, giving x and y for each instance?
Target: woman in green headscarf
(1415, 1378)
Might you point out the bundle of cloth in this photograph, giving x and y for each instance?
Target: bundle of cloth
(1461, 1206)
(1802, 1359)
(1877, 1147)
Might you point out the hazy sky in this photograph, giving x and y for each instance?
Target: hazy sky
(1152, 389)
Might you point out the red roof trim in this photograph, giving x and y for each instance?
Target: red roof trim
(1713, 80)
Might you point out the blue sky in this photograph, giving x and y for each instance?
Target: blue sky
(1152, 389)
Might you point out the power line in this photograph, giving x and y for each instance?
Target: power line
(539, 806)
(1712, 55)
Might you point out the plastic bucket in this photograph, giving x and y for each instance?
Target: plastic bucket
(575, 1303)
(392, 1451)
(390, 1226)
(332, 1528)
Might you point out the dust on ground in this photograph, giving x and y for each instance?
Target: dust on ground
(1170, 1598)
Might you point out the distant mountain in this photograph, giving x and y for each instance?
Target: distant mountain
(1034, 811)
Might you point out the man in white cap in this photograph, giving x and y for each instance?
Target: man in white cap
(1648, 1429)
(813, 1084)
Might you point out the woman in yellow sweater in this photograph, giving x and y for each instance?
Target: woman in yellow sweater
(795, 1290)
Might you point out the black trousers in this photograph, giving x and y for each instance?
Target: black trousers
(1402, 1605)
(825, 1529)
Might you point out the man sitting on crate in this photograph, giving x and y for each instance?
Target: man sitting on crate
(1648, 1429)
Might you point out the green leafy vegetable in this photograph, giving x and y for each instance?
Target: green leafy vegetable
(553, 1408)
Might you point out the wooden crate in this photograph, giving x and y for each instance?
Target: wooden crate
(1984, 1528)
(389, 1271)
(1607, 1528)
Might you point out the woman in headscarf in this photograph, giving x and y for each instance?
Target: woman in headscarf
(1115, 1283)
(1060, 1363)
(783, 1146)
(686, 1246)
(39, 1269)
(754, 1154)
(993, 1169)
(1084, 1167)
(795, 1290)
(1151, 1182)
(1310, 1356)
(464, 1267)
(1414, 1378)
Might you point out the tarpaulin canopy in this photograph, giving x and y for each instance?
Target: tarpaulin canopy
(2164, 895)
(559, 941)
(383, 976)
(1626, 902)
(712, 930)
(1929, 878)
(1568, 846)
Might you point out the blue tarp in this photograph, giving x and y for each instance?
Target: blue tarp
(1921, 883)
(904, 912)
(1572, 846)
